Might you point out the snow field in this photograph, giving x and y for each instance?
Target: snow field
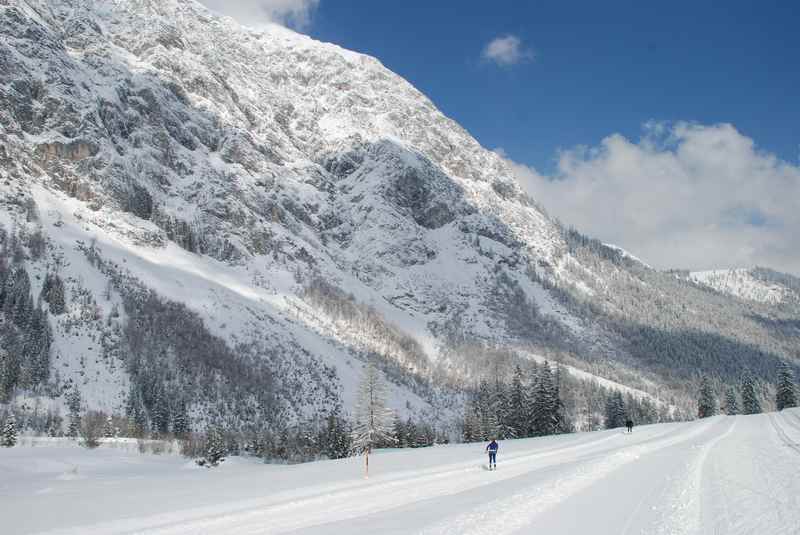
(718, 475)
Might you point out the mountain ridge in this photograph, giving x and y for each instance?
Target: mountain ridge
(312, 210)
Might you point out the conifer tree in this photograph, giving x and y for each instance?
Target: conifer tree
(180, 421)
(36, 340)
(335, 441)
(731, 403)
(471, 424)
(562, 419)
(786, 395)
(545, 404)
(215, 448)
(498, 406)
(53, 293)
(109, 431)
(615, 410)
(9, 436)
(400, 433)
(412, 432)
(530, 398)
(74, 406)
(750, 401)
(373, 419)
(706, 404)
(160, 413)
(134, 411)
(5, 365)
(518, 405)
(487, 419)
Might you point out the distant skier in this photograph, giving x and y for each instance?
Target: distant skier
(492, 449)
(629, 425)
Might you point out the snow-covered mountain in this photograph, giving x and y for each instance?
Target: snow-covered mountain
(227, 208)
(750, 284)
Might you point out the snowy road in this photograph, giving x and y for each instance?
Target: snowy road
(720, 475)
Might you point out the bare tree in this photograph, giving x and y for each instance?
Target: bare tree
(374, 421)
(92, 425)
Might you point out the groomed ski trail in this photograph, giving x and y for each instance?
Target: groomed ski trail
(512, 513)
(751, 485)
(341, 503)
(727, 475)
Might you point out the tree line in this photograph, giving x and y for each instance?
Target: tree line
(745, 398)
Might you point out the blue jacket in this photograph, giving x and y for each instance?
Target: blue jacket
(492, 447)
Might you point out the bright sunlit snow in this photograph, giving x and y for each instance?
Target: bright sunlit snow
(719, 475)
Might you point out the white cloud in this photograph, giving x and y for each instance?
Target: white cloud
(294, 13)
(684, 195)
(506, 50)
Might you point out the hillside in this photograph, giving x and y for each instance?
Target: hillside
(758, 284)
(201, 218)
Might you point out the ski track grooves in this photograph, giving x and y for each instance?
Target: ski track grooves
(792, 419)
(513, 513)
(398, 491)
(785, 438)
(307, 507)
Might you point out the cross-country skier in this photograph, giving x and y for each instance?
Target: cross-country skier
(629, 425)
(492, 449)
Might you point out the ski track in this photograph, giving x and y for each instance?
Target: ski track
(324, 504)
(792, 419)
(509, 514)
(779, 429)
(723, 475)
(750, 485)
(684, 513)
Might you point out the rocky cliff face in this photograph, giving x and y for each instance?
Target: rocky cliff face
(308, 208)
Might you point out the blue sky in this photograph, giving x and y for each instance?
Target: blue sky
(598, 67)
(672, 131)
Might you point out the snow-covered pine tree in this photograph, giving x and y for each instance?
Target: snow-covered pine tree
(545, 404)
(74, 405)
(9, 436)
(424, 435)
(335, 442)
(731, 403)
(180, 420)
(563, 422)
(5, 375)
(373, 419)
(498, 405)
(786, 395)
(36, 341)
(487, 419)
(134, 411)
(750, 401)
(615, 410)
(518, 405)
(400, 433)
(109, 431)
(215, 450)
(706, 402)
(160, 413)
(471, 423)
(53, 293)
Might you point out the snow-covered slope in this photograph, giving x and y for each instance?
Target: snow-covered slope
(732, 475)
(228, 169)
(744, 284)
(229, 208)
